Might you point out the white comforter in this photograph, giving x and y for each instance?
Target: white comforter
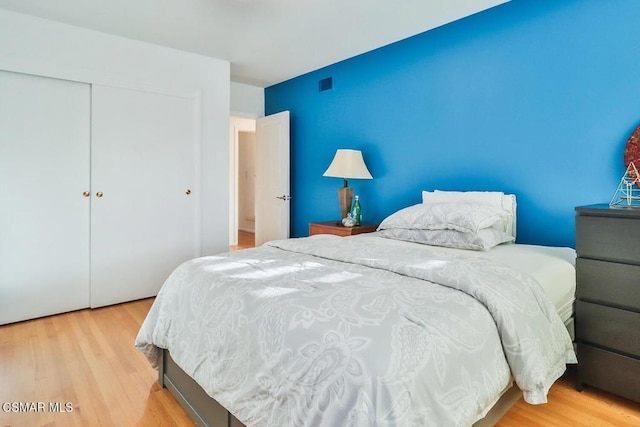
(358, 331)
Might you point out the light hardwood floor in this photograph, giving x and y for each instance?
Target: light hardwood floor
(87, 358)
(245, 240)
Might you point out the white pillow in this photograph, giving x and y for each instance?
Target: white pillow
(483, 240)
(464, 217)
(497, 199)
(492, 198)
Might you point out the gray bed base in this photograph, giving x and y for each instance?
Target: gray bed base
(202, 408)
(205, 411)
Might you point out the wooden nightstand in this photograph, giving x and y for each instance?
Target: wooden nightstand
(337, 229)
(608, 298)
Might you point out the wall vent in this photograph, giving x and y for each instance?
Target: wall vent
(325, 84)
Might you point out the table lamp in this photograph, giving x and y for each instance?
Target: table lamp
(347, 164)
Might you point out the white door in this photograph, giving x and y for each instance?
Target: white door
(44, 217)
(144, 199)
(272, 185)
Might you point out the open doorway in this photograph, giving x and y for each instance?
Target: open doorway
(246, 190)
(242, 180)
(259, 205)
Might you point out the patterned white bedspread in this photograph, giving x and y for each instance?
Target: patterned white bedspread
(358, 331)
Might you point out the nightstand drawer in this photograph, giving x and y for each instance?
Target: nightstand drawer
(608, 371)
(607, 238)
(608, 327)
(608, 282)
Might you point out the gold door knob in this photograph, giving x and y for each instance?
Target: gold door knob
(99, 194)
(86, 194)
(188, 192)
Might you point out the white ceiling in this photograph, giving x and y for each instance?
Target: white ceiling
(266, 41)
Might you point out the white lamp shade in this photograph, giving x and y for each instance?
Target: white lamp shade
(348, 164)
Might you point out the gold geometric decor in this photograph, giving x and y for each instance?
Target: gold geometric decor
(628, 191)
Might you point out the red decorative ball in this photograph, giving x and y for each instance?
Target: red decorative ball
(632, 149)
(632, 152)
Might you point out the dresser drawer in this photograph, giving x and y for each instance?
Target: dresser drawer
(608, 327)
(609, 371)
(608, 282)
(606, 238)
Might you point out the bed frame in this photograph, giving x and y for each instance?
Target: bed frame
(202, 408)
(205, 411)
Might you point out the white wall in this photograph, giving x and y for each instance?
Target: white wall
(247, 101)
(37, 46)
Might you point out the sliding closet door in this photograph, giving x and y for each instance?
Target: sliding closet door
(143, 218)
(44, 216)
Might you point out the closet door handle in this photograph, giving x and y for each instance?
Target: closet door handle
(86, 194)
(99, 194)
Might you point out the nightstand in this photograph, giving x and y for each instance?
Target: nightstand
(608, 298)
(336, 228)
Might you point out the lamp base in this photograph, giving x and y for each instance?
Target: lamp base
(345, 197)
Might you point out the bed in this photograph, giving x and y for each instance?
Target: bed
(374, 329)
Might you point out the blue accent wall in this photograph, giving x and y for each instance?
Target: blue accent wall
(533, 97)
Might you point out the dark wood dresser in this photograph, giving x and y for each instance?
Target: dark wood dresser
(608, 298)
